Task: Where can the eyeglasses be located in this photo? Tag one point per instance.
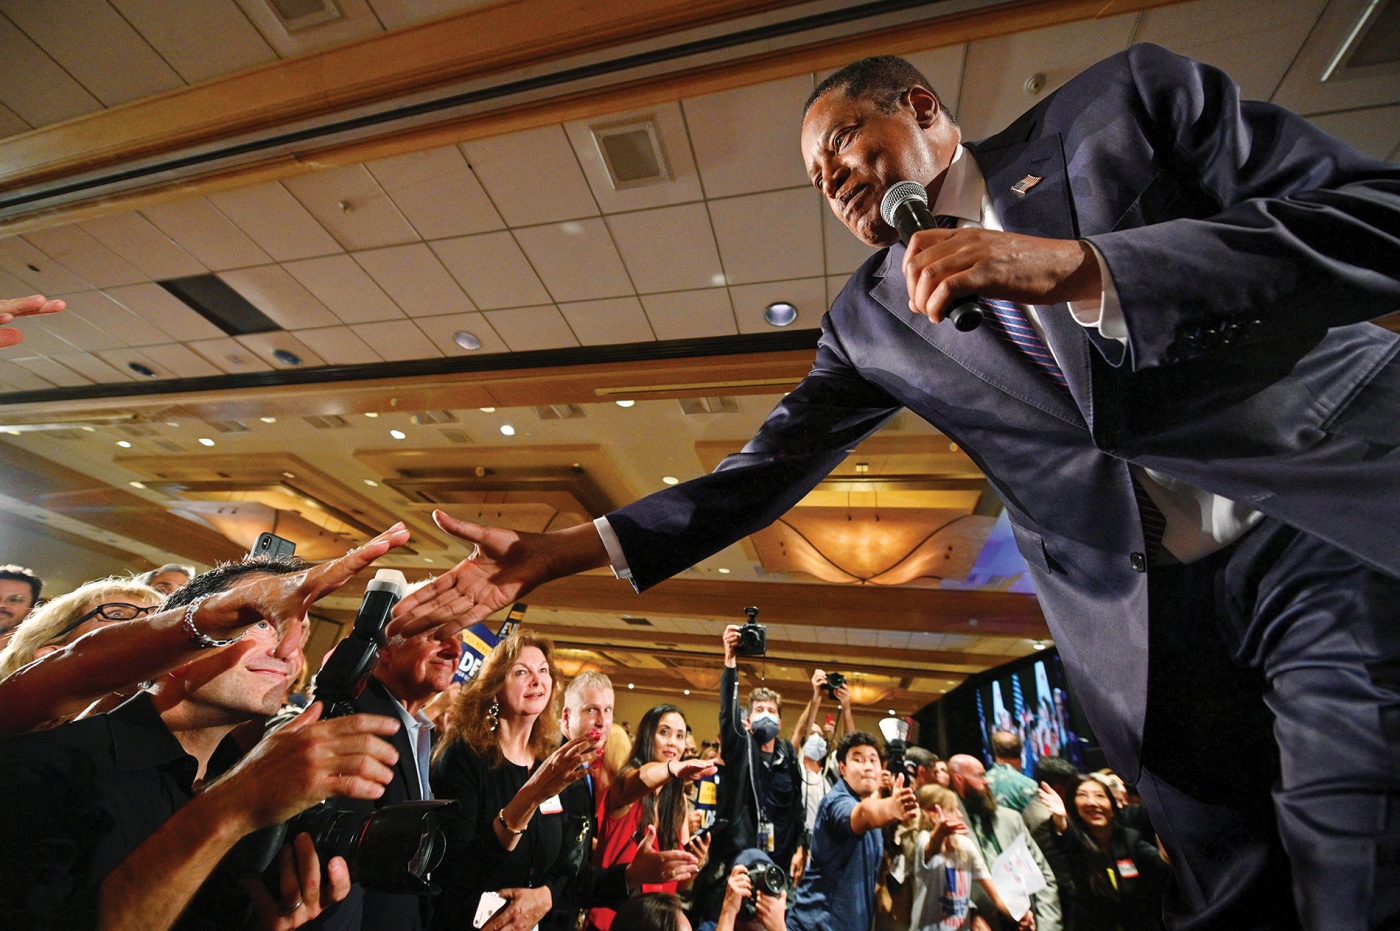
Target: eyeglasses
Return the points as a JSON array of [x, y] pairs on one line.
[[16, 599], [112, 611]]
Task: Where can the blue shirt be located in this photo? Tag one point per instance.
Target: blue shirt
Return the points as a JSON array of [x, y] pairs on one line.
[[838, 889]]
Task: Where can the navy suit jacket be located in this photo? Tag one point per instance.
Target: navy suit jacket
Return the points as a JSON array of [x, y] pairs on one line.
[[1247, 248]]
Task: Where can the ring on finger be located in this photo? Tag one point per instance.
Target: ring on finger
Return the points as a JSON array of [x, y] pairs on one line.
[[291, 910]]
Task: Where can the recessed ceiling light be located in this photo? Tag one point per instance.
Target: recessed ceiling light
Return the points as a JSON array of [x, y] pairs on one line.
[[172, 423], [892, 711], [286, 357], [780, 313], [371, 483], [630, 685], [137, 484], [507, 429], [140, 369], [268, 419], [90, 429], [487, 410], [685, 691], [670, 480], [468, 341], [1038, 645], [723, 571], [123, 444], [371, 414], [205, 441], [625, 403], [427, 559], [397, 434]]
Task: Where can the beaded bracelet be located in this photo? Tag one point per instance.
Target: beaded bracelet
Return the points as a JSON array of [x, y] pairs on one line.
[[200, 639], [501, 817]]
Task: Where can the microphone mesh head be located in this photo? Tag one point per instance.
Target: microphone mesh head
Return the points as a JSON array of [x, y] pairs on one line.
[[899, 193]]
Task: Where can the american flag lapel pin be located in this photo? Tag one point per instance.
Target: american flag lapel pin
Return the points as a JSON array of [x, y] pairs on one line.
[[1025, 184]]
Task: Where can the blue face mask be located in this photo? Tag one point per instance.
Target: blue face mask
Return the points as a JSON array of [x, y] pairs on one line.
[[765, 726]]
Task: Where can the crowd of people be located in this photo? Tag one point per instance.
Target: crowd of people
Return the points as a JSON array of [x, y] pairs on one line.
[[153, 735]]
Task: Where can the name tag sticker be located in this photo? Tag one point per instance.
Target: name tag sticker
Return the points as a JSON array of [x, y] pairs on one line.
[[552, 806], [1127, 869]]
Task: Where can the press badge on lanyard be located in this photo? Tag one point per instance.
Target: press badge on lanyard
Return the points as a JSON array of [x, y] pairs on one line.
[[765, 835]]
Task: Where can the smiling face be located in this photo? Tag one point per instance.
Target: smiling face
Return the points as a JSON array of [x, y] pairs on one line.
[[528, 687], [669, 743], [1094, 806], [417, 668], [854, 153]]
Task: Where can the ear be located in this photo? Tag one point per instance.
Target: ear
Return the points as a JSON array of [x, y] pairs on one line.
[[924, 104], [45, 650]]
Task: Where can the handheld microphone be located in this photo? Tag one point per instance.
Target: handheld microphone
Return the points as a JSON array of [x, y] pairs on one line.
[[905, 207]]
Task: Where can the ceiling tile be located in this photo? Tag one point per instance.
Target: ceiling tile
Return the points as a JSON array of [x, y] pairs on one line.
[[395, 14], [206, 234], [398, 340], [357, 21], [87, 257], [492, 270], [691, 314], [276, 221], [944, 69], [179, 360], [1303, 90], [683, 185], [230, 356], [123, 326], [37, 340], [1002, 66], [670, 249], [164, 312], [280, 296], [345, 288], [1375, 131], [136, 240], [1253, 41], [338, 345], [94, 369], [121, 360], [10, 123], [808, 295], [73, 327], [529, 328], [441, 329], [36, 87], [96, 45], [576, 260], [50, 371], [16, 378], [764, 237], [601, 323], [415, 279], [834, 286], [437, 192], [844, 252], [532, 177], [265, 344], [352, 206], [746, 139], [204, 39], [37, 270]]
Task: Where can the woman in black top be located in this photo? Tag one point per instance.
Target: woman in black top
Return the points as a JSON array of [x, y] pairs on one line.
[[1119, 877], [502, 762]]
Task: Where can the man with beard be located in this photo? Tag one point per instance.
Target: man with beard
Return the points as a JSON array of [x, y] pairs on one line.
[[19, 590], [996, 829]]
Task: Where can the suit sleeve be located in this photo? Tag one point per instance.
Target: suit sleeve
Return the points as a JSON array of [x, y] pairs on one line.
[[804, 438], [1271, 226]]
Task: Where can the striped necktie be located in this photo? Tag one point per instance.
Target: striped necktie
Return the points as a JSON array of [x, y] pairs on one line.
[[1009, 321]]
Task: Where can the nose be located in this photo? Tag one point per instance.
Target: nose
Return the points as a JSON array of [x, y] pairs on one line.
[[833, 175]]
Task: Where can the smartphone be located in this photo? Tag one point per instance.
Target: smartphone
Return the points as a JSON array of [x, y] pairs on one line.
[[270, 544], [719, 825], [830, 720], [486, 908]]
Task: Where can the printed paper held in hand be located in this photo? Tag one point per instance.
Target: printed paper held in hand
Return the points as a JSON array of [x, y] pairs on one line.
[[1017, 876]]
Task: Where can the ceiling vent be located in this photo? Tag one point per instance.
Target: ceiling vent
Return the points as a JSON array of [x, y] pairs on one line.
[[560, 412], [137, 429], [423, 417], [212, 298], [715, 405], [632, 154], [228, 426], [296, 15], [456, 436], [636, 621], [327, 422]]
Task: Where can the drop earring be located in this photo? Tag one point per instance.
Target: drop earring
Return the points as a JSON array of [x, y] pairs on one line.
[[494, 713]]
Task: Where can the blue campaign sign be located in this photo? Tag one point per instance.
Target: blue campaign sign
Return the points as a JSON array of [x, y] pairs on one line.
[[477, 642]]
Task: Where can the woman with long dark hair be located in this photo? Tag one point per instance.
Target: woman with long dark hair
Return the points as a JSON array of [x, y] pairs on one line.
[[502, 762], [646, 802], [1119, 877]]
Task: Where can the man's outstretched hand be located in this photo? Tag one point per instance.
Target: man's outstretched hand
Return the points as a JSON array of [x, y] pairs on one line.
[[504, 565], [12, 307]]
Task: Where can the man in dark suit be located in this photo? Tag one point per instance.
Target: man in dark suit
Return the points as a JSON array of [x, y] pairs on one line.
[[1194, 432], [409, 672]]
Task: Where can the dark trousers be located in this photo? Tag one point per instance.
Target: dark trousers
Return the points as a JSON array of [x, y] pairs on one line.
[[1270, 759]]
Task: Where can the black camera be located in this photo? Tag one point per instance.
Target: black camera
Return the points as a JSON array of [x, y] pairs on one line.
[[753, 636], [834, 681], [390, 849], [765, 878]]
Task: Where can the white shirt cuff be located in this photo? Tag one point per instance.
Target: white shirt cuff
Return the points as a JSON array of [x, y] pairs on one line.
[[1105, 313], [616, 558]]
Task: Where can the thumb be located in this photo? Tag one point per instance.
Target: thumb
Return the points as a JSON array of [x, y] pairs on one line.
[[310, 716], [648, 837], [462, 529]]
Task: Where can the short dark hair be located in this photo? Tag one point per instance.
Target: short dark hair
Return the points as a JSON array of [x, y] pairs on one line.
[[856, 739], [15, 573], [920, 757], [882, 80], [1056, 771], [1006, 745], [650, 911], [223, 576]]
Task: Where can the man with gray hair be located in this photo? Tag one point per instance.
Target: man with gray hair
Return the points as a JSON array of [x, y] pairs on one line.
[[1012, 788]]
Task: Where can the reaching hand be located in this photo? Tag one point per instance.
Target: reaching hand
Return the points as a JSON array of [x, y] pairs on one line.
[[691, 770], [843, 697], [818, 684], [523, 910], [908, 803], [731, 643], [653, 867], [504, 565], [31, 306], [1052, 801], [563, 767]]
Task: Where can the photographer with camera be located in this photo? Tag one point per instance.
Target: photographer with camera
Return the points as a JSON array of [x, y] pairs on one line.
[[755, 897], [100, 823]]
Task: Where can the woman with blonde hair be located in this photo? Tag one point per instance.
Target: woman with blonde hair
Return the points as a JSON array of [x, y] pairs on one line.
[[67, 617], [502, 762], [946, 862]]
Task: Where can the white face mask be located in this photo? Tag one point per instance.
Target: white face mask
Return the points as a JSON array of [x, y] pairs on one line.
[[815, 748]]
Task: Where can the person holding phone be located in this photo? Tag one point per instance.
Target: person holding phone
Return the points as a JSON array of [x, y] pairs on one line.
[[645, 805]]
